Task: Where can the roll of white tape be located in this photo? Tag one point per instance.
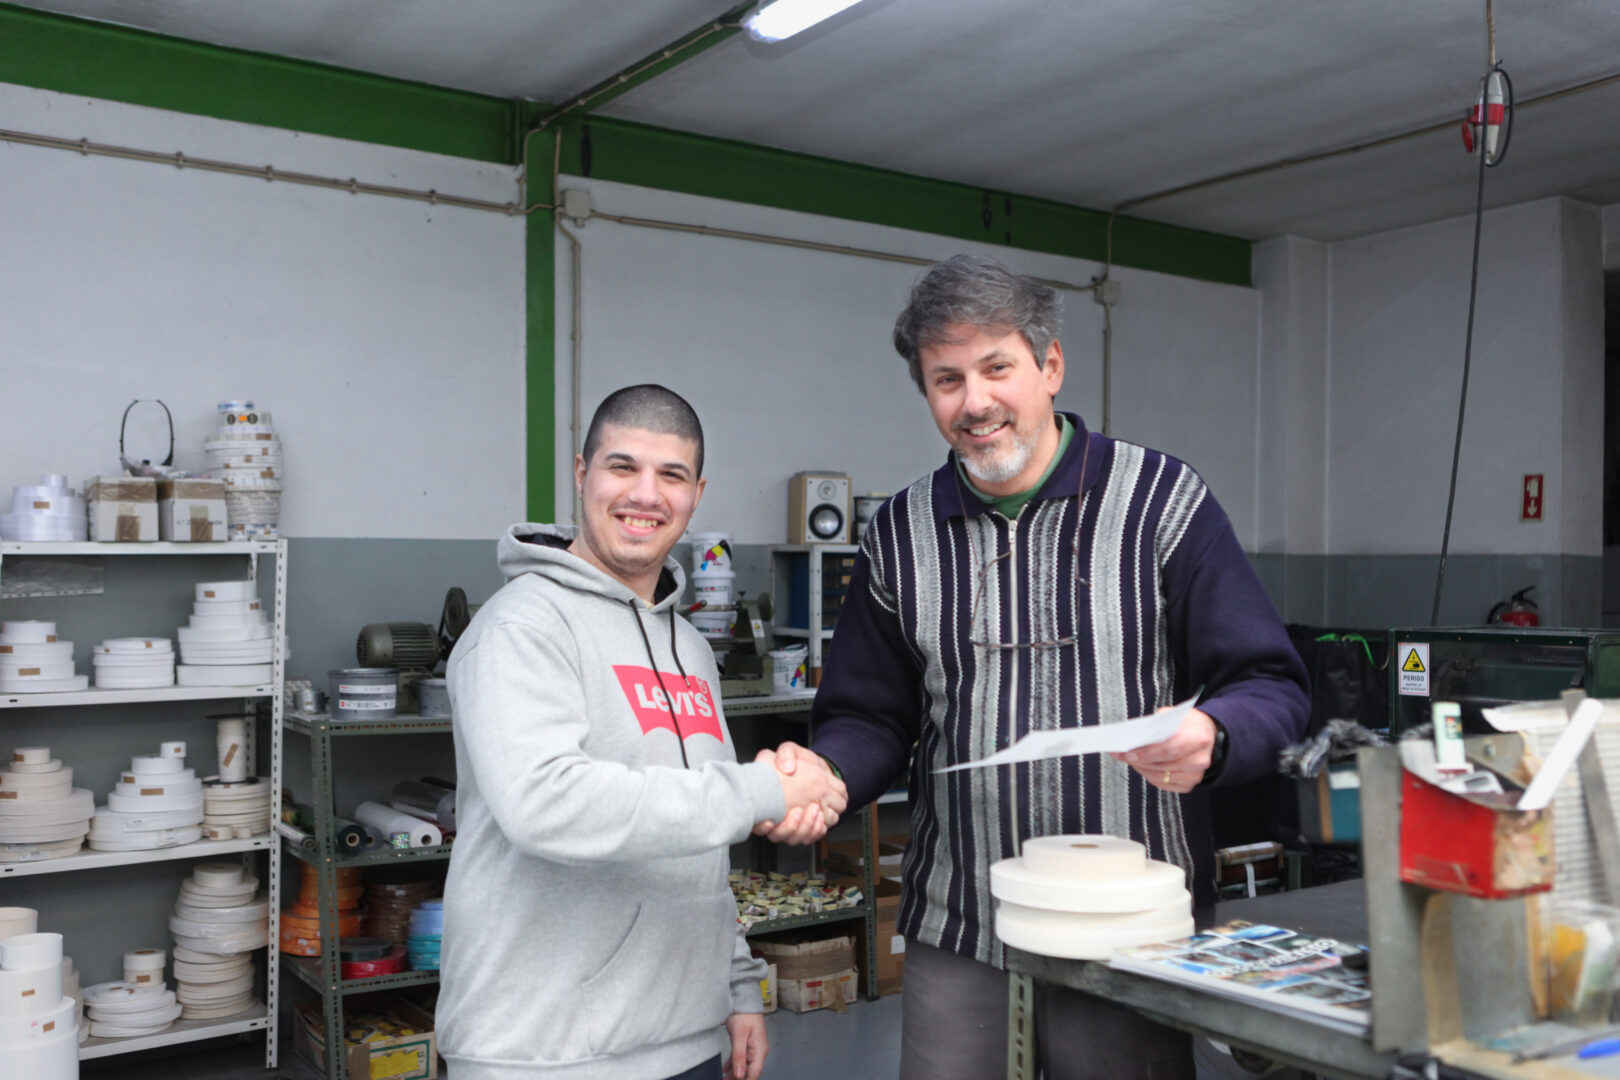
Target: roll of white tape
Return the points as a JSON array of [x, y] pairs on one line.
[[159, 788], [217, 875], [1084, 858], [134, 662], [28, 632], [16, 781], [135, 645], [56, 650], [16, 921], [115, 826], [54, 765], [145, 960], [36, 794], [48, 1058], [227, 590], [53, 1022], [173, 750], [125, 999], [24, 836], [208, 993], [150, 804], [44, 686], [154, 765], [150, 841], [246, 938], [106, 1029], [222, 675], [203, 974], [21, 853], [192, 956], [30, 755], [116, 680], [79, 803], [226, 607], [389, 821], [1088, 937], [26, 952], [30, 992], [11, 668], [253, 911], [1159, 885], [206, 621]]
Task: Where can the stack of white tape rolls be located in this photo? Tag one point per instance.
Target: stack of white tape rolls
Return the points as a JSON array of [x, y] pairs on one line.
[[218, 921], [49, 511], [42, 815], [158, 803], [39, 1037], [33, 661], [1082, 897], [228, 642], [133, 663], [246, 455], [127, 1009]]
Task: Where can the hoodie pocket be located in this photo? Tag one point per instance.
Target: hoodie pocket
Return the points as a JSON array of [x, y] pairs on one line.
[[671, 976]]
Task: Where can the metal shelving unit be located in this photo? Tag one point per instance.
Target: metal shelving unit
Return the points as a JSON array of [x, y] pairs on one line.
[[815, 634], [261, 1017], [323, 974]]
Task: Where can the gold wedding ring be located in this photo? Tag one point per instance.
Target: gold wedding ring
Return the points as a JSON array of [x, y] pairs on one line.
[[1166, 779]]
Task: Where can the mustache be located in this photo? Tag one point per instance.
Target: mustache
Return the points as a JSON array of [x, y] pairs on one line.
[[997, 417]]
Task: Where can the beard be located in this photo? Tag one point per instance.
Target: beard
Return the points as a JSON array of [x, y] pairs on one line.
[[997, 465]]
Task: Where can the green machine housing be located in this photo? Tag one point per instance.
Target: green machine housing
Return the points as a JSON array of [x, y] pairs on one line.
[[1480, 667]]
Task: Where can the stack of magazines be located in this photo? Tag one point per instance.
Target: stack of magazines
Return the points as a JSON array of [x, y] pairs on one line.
[[1272, 967]]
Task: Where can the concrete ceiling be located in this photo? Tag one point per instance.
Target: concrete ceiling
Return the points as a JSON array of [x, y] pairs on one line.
[[1088, 103]]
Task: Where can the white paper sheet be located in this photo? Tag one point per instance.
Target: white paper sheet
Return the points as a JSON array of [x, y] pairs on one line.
[[1094, 739]]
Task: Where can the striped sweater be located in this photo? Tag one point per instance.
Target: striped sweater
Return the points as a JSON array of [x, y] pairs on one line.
[[1134, 595]]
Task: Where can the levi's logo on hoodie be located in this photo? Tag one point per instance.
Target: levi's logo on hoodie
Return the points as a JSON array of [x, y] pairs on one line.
[[693, 706]]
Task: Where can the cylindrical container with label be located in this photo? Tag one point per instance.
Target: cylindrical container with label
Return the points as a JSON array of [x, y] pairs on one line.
[[714, 624], [1449, 755], [711, 553], [865, 507], [790, 669], [433, 698], [232, 741], [363, 693], [713, 589]]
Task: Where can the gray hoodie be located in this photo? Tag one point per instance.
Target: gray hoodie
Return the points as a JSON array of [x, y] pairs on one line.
[[589, 930]]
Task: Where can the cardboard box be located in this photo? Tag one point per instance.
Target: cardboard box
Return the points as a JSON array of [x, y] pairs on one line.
[[800, 957], [191, 511], [122, 508], [832, 991], [401, 1057], [844, 856], [767, 989], [891, 947]]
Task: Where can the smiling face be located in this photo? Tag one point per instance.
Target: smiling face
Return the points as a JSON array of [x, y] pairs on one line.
[[994, 405], [637, 494]]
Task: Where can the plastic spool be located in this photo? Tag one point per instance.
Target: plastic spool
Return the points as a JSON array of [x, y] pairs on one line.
[[55, 650], [29, 952], [154, 765], [16, 921], [390, 821], [222, 675], [28, 632]]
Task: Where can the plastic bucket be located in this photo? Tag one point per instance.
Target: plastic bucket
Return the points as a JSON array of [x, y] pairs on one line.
[[711, 553], [790, 669], [714, 624], [713, 588], [433, 698]]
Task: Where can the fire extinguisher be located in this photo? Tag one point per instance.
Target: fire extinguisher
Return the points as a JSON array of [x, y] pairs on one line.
[[1519, 610]]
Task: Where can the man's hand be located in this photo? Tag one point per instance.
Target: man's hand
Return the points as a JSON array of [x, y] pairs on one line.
[[748, 1046], [815, 797], [1178, 763]]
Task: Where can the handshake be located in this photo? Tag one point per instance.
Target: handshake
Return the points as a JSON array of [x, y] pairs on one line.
[[814, 796]]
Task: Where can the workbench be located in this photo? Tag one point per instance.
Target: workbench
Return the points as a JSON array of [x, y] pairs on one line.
[[1337, 911]]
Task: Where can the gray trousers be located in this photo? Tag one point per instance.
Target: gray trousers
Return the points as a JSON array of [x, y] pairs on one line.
[[954, 1027]]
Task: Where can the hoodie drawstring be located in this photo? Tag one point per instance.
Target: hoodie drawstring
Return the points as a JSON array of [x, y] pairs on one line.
[[653, 663]]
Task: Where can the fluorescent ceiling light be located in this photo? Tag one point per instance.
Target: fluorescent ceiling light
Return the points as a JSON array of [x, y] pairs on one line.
[[784, 18]]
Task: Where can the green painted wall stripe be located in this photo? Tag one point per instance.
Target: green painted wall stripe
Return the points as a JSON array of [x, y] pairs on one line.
[[540, 366], [76, 56], [743, 172]]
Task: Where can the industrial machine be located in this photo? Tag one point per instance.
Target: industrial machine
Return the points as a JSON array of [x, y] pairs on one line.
[[1480, 667], [746, 664], [415, 649]]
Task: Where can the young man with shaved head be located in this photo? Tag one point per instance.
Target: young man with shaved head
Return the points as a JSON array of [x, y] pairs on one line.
[[590, 933], [1045, 576]]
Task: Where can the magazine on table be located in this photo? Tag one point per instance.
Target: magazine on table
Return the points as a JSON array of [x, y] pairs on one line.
[[1271, 966]]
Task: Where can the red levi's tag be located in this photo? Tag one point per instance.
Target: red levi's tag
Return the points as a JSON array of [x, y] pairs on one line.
[[693, 706]]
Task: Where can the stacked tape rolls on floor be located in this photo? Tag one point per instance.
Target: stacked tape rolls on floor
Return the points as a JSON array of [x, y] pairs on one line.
[[219, 919], [1082, 897]]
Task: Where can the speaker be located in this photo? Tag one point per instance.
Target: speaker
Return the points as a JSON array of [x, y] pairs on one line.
[[818, 508]]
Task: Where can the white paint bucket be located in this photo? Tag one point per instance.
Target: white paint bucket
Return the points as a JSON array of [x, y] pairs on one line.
[[790, 669], [711, 553], [713, 589], [714, 624]]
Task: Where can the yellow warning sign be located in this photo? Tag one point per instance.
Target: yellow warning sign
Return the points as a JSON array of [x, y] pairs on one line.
[[1414, 673], [1413, 662]]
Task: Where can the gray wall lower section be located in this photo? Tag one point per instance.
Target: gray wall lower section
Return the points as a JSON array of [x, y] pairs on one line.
[[1398, 590]]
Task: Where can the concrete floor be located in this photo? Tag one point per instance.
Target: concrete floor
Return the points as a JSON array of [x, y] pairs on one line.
[[862, 1044]]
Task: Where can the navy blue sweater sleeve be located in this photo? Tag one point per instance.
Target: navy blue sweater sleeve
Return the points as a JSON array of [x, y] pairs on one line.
[[1227, 637], [868, 709]]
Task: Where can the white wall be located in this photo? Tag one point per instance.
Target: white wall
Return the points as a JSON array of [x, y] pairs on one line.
[[385, 336], [785, 353], [1291, 274], [1399, 307]]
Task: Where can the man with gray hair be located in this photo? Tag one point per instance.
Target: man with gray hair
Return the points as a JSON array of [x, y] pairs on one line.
[[1044, 577]]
